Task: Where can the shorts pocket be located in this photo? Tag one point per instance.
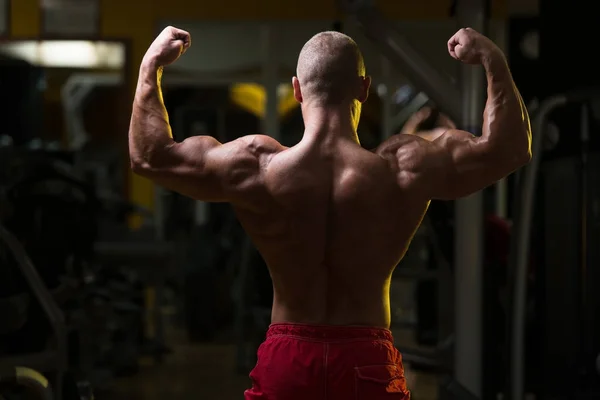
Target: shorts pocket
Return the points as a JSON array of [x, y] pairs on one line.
[[386, 381], [255, 373]]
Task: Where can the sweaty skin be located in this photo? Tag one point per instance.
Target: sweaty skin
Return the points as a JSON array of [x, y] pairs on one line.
[[331, 219]]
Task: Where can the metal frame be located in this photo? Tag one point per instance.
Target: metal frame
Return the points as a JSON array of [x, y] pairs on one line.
[[520, 245], [501, 187], [270, 79], [178, 78], [29, 378], [469, 232], [46, 32], [395, 46], [387, 124], [419, 101], [74, 93], [48, 361], [5, 15], [153, 259]]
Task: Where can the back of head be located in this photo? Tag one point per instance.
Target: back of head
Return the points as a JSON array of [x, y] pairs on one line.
[[330, 67]]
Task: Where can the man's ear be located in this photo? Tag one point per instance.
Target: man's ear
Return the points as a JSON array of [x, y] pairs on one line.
[[297, 91], [365, 86]]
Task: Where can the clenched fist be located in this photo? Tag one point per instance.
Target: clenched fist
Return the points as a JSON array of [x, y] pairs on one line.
[[471, 47], [168, 47]]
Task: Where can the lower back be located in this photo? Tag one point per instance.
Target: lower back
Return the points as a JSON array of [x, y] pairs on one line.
[[341, 305]]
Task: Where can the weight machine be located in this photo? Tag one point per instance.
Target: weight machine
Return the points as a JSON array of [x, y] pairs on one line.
[[28, 378], [570, 324], [53, 361]]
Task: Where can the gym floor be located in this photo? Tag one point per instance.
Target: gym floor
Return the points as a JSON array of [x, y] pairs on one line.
[[206, 372]]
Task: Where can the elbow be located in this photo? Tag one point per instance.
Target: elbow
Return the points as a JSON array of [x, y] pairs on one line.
[[140, 167], [525, 153], [524, 156], [518, 151], [145, 163], [519, 158], [511, 156], [149, 161]]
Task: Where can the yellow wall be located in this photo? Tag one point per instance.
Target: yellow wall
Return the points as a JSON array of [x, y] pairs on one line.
[[25, 18], [134, 20]]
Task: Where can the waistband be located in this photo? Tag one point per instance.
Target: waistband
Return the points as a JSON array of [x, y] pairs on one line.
[[329, 332]]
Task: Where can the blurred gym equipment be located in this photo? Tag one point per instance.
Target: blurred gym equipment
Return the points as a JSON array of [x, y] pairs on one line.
[[35, 384], [567, 305], [395, 46], [23, 83], [52, 361], [78, 312]]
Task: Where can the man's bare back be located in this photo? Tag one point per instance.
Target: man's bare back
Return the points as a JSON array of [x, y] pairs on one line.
[[335, 224], [330, 218]]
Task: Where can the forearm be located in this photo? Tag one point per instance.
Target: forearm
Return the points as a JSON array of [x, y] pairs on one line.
[[149, 129], [506, 125]]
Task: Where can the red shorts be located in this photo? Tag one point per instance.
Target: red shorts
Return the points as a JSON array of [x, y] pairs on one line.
[[308, 362]]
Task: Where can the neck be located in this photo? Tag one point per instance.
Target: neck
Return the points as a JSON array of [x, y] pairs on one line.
[[331, 121]]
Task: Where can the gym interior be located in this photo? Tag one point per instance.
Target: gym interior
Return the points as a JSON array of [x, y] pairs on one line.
[[114, 288]]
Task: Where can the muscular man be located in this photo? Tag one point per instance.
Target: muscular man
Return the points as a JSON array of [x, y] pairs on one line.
[[331, 219]]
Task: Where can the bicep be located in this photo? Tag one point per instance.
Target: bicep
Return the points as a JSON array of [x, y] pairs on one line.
[[457, 164]]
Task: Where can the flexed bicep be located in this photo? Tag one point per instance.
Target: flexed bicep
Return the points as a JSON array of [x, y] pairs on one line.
[[454, 165]]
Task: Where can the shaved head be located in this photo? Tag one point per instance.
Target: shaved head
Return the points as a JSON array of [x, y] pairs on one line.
[[331, 70]]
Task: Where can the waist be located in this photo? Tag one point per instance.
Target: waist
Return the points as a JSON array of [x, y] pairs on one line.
[[329, 332], [364, 309]]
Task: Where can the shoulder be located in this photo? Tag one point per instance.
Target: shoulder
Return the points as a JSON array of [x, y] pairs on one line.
[[250, 147], [254, 151], [261, 144]]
